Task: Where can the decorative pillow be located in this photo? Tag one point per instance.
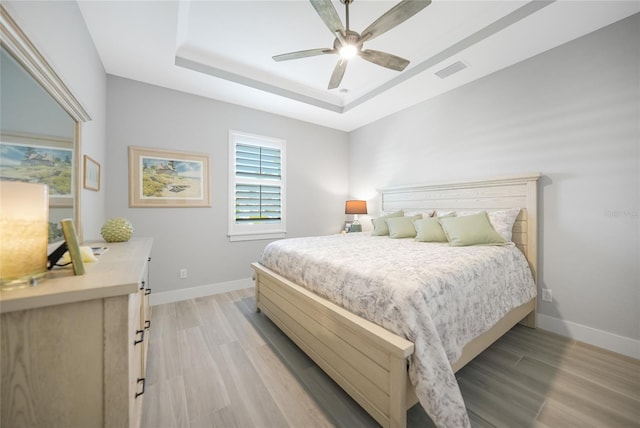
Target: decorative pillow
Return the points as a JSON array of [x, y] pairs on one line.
[[402, 227], [380, 226], [475, 229], [502, 220], [444, 213], [424, 213], [430, 230]]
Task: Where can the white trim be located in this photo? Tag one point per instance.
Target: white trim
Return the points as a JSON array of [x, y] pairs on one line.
[[610, 341], [603, 339], [335, 104], [26, 53], [256, 236], [247, 232], [200, 291]]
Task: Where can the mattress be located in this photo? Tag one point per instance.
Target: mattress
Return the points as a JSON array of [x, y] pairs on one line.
[[437, 296]]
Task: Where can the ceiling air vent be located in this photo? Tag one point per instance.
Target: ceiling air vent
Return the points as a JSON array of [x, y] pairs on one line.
[[451, 69]]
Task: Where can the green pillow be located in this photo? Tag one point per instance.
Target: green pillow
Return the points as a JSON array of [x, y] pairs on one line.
[[429, 229], [473, 229], [402, 227], [380, 225]]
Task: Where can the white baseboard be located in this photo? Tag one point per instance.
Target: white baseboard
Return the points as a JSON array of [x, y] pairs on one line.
[[612, 342], [200, 291]]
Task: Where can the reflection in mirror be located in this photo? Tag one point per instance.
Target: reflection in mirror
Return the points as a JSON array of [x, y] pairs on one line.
[[36, 140]]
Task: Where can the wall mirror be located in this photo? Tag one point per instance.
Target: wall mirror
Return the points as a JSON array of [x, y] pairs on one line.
[[40, 126]]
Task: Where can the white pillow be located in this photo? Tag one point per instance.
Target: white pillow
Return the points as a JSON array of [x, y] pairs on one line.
[[424, 213], [501, 220]]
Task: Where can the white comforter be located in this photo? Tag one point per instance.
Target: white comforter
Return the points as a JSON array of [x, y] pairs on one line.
[[438, 297]]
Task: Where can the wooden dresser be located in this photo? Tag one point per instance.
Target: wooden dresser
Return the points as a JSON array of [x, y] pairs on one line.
[[73, 348]]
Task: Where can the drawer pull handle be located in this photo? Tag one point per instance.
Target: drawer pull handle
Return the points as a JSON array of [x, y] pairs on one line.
[[149, 259], [147, 291], [141, 333], [143, 381], [147, 324]]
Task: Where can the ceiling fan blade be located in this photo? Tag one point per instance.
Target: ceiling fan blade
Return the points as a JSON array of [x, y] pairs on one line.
[[303, 54], [385, 59], [328, 14], [394, 16], [338, 73]]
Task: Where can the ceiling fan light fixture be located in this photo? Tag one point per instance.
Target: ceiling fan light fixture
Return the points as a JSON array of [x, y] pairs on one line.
[[348, 51], [348, 43]]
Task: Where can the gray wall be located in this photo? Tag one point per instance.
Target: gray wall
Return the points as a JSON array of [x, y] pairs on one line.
[[572, 114], [58, 30], [196, 238]]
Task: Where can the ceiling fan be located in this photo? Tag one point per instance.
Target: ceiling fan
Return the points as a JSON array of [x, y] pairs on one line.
[[348, 43]]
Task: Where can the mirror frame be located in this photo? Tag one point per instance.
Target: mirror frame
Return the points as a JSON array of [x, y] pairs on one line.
[[16, 43]]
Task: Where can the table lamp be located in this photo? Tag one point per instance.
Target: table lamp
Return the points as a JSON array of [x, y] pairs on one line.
[[24, 232], [355, 207]]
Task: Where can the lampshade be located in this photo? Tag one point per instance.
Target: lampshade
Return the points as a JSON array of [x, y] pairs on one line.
[[24, 232], [355, 207]]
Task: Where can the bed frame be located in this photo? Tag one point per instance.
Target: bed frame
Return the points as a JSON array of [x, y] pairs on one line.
[[366, 360]]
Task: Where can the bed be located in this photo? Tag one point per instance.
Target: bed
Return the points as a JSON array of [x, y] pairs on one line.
[[335, 338]]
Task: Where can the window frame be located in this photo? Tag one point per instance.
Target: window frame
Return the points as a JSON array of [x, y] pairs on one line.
[[247, 232]]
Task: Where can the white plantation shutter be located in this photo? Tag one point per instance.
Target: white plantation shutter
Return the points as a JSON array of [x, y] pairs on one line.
[[257, 162], [256, 187]]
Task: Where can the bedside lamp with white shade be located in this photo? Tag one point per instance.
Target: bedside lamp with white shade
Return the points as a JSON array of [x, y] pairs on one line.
[[355, 207]]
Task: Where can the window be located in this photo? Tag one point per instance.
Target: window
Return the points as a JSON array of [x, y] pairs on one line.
[[256, 187]]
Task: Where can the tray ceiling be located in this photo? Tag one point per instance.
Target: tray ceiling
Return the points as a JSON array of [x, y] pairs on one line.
[[223, 49]]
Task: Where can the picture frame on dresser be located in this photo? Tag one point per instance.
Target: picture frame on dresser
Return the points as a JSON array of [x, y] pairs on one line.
[[71, 238]]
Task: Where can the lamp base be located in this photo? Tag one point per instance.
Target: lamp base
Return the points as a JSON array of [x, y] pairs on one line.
[[355, 226]]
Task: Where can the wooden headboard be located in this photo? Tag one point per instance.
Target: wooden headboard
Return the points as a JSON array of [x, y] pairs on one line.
[[496, 193]]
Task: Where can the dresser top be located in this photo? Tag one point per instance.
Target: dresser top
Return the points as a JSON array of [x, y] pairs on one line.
[[117, 272]]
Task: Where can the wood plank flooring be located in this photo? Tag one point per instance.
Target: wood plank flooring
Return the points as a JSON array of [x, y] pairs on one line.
[[215, 362]]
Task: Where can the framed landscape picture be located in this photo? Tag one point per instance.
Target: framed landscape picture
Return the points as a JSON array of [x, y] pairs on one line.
[[39, 160], [166, 178]]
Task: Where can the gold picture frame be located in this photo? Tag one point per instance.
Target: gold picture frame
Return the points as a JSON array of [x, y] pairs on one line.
[[71, 238], [91, 177], [166, 178]]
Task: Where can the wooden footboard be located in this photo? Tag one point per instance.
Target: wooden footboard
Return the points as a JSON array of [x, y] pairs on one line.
[[367, 361]]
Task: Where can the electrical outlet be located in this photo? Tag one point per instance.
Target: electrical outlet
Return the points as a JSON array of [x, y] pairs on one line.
[[547, 296], [183, 273]]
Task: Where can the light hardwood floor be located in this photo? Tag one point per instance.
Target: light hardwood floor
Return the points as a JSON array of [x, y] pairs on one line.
[[215, 362]]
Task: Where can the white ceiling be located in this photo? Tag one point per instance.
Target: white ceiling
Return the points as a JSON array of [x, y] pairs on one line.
[[223, 49]]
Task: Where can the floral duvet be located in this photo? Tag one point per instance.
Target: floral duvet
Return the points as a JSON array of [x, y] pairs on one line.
[[438, 297]]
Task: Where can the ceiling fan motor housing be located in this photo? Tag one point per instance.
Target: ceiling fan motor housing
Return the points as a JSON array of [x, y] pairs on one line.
[[351, 38]]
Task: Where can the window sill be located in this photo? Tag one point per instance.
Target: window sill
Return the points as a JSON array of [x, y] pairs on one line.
[[256, 236]]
